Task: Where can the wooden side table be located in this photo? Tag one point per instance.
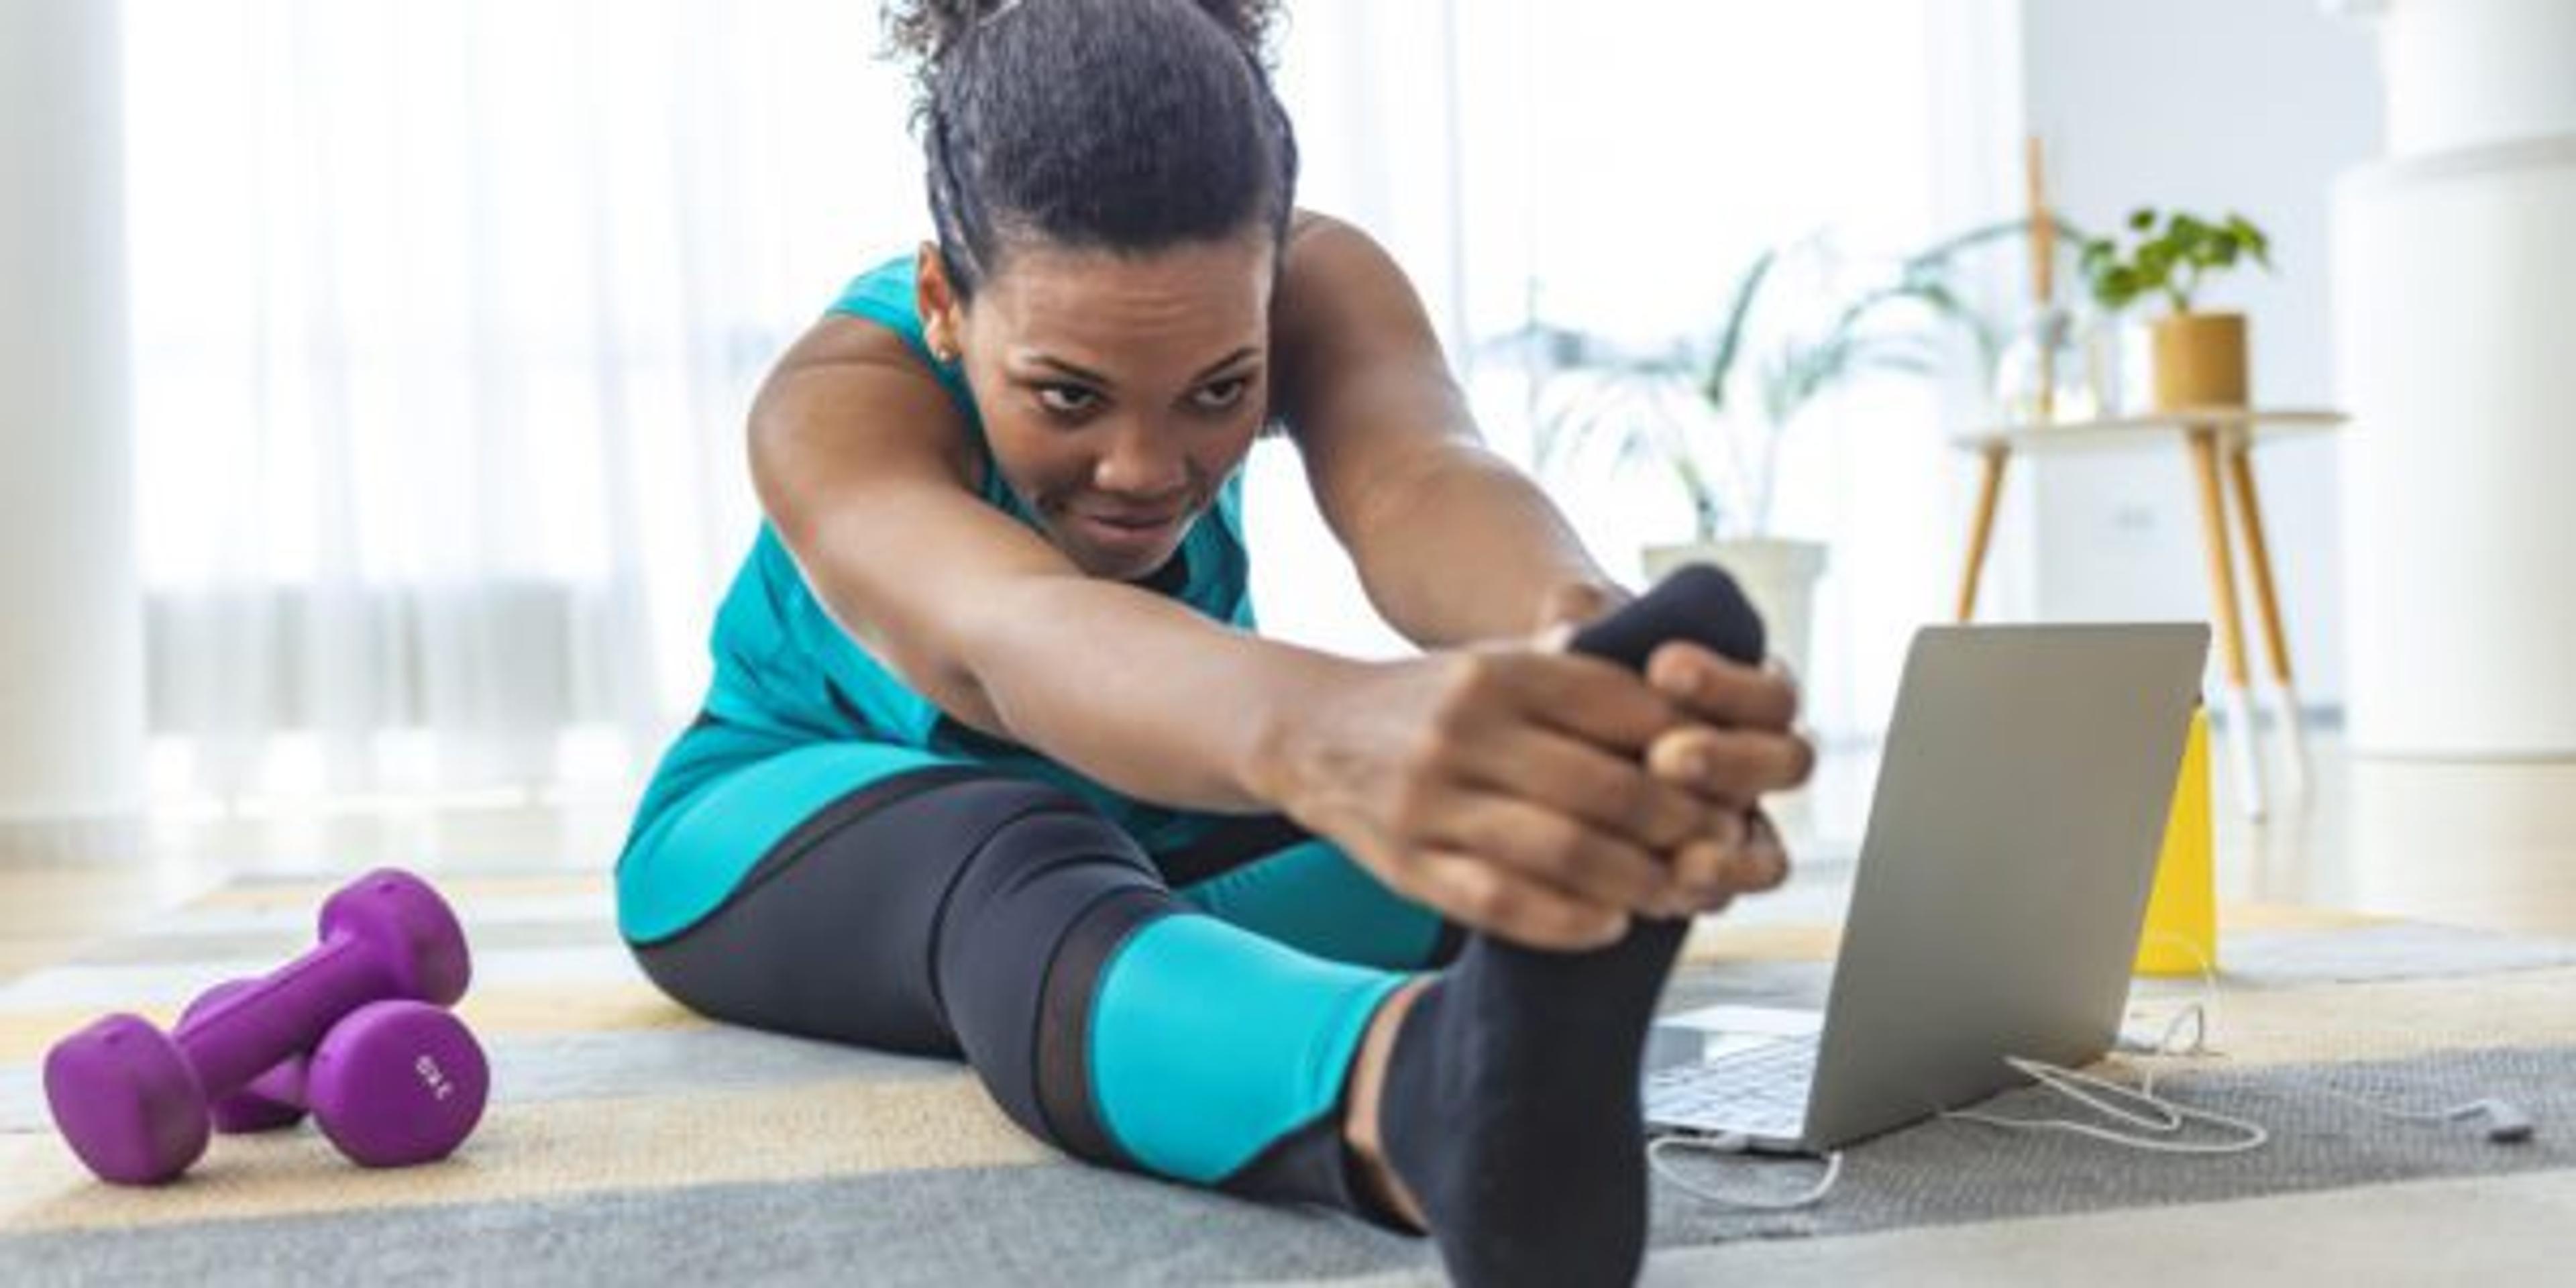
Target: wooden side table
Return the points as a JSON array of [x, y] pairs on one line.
[[2220, 443]]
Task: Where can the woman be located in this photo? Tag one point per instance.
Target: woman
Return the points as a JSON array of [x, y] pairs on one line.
[[994, 766]]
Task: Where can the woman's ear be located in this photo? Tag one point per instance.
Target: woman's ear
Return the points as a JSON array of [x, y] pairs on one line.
[[943, 320]]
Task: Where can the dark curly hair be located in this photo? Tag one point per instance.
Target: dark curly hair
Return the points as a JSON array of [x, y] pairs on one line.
[[925, 28], [1127, 125]]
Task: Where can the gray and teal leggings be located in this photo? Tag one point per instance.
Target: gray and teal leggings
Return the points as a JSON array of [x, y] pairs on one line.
[[1192, 1017]]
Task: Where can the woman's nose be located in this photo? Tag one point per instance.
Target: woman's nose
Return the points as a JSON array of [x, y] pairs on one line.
[[1141, 462]]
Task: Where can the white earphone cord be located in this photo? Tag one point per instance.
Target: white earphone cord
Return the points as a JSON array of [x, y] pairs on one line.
[[2159, 1116], [2166, 1117], [1735, 1146]]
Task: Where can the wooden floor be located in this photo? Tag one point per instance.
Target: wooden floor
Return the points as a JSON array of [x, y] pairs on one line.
[[2485, 845], [2490, 845], [54, 897]]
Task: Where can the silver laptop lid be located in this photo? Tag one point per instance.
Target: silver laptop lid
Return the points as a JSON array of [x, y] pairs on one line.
[[2012, 842]]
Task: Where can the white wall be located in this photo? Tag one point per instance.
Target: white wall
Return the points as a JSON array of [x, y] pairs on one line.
[[71, 663], [2254, 105], [2456, 290]]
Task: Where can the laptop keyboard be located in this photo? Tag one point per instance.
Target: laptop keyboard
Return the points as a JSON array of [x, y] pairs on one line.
[[1761, 1091]]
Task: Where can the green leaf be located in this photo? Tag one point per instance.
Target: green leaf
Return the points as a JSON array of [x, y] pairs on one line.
[[1730, 339], [2256, 244], [2142, 219], [1587, 414], [2155, 262]]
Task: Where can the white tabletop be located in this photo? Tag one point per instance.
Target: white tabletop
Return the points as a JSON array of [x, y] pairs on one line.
[[2232, 423]]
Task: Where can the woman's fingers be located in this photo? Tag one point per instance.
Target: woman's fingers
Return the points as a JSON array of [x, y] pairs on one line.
[[1560, 897], [1731, 766], [1600, 702], [1704, 868], [1743, 855], [1762, 862], [1721, 691], [1560, 850], [1573, 777], [1483, 896], [1548, 798]]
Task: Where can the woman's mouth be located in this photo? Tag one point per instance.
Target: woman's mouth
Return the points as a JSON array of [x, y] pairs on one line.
[[1129, 532]]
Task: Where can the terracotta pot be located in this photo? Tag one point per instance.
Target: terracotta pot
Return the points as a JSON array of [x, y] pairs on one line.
[[2199, 360]]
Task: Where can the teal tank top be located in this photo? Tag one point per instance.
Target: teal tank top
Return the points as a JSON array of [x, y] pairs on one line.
[[784, 667]]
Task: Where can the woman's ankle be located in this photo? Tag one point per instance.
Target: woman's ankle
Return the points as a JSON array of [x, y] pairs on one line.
[[1362, 1135]]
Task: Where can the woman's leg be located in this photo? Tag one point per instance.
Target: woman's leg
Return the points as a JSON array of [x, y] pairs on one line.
[[1003, 919], [949, 911], [1502, 1098], [1311, 896]]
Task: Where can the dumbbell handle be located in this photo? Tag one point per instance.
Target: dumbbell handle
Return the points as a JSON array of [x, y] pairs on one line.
[[241, 1036]]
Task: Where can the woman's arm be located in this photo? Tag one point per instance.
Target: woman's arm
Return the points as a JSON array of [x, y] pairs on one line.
[[1455, 545], [1504, 788], [1452, 544]]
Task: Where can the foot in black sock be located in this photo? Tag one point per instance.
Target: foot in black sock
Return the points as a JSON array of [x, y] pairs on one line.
[[1511, 1108]]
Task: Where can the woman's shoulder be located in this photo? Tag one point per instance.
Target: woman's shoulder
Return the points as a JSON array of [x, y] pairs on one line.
[[860, 385], [1319, 257], [1344, 310], [883, 294]]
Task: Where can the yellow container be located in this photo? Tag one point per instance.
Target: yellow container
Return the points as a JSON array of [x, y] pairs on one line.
[[2181, 934]]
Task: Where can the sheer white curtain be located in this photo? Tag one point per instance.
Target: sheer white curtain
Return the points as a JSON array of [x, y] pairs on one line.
[[1613, 166], [447, 316]]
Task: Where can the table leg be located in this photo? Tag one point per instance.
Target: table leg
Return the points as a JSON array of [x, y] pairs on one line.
[[2267, 601], [2231, 629], [1990, 486]]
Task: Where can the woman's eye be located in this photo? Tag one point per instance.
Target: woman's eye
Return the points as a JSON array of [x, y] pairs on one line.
[[1067, 400], [1221, 395]]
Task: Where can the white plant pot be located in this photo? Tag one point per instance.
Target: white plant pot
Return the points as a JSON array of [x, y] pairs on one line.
[[1778, 576]]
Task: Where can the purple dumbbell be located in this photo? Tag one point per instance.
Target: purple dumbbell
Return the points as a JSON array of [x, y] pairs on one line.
[[270, 1102], [398, 1083], [394, 1084], [135, 1104]]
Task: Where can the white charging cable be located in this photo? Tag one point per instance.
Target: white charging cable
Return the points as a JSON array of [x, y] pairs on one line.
[[1734, 1146], [2157, 1116], [2506, 1123], [2160, 1119]]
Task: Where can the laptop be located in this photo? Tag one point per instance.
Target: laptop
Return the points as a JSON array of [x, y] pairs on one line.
[[1997, 902]]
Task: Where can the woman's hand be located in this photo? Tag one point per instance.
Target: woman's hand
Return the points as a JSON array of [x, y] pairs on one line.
[[1741, 743], [1738, 741], [1507, 788]]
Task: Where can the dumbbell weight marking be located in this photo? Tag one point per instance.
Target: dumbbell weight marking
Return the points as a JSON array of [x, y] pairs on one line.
[[398, 1083]]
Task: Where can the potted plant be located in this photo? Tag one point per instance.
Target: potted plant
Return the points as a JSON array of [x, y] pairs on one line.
[[1713, 414], [2197, 358]]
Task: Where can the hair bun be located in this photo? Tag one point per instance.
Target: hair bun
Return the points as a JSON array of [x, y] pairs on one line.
[[1249, 20], [928, 29]]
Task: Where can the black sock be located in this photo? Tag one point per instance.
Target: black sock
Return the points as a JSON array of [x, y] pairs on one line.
[[1511, 1108], [1511, 1102]]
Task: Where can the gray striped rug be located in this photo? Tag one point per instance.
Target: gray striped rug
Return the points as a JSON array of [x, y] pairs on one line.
[[630, 1141]]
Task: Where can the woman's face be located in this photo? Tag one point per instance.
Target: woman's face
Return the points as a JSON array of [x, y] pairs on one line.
[[1117, 391]]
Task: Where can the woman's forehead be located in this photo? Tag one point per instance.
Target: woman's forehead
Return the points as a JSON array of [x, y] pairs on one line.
[[1216, 293]]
